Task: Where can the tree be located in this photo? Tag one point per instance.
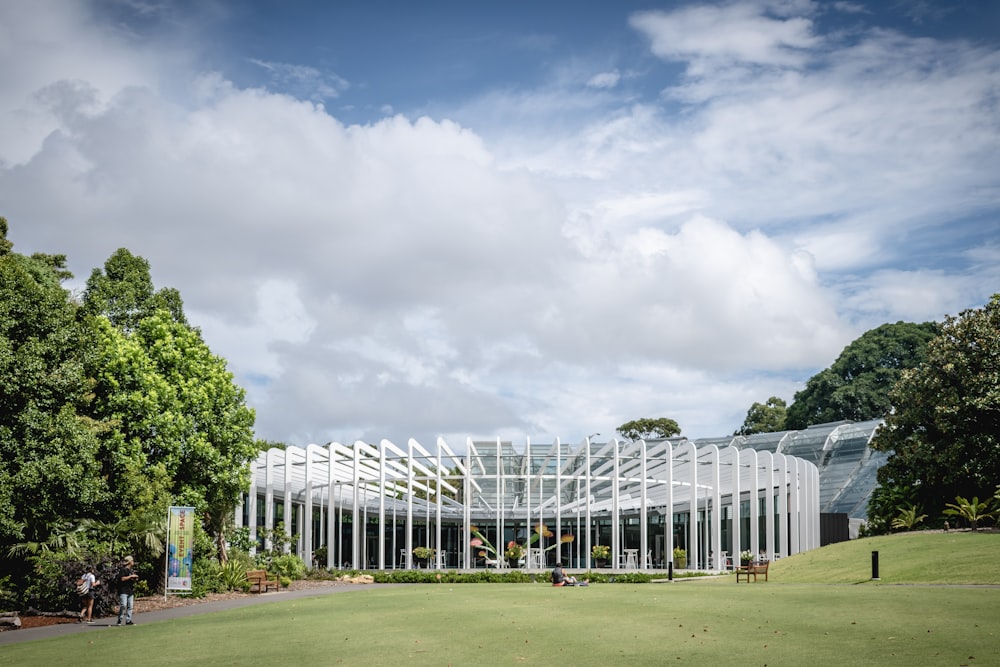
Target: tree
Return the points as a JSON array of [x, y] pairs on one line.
[[647, 428], [48, 447], [180, 417], [124, 294], [856, 387], [944, 434], [764, 418]]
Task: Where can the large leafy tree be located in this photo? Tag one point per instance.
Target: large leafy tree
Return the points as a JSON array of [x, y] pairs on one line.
[[647, 427], [856, 387], [179, 415], [944, 433], [48, 447], [766, 417]]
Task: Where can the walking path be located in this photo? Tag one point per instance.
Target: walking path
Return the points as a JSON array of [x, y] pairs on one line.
[[62, 629]]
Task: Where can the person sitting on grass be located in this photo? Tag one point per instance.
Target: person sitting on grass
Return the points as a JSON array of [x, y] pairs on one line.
[[559, 577]]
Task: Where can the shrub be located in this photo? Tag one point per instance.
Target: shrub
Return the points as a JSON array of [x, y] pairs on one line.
[[206, 577], [234, 575], [288, 565]]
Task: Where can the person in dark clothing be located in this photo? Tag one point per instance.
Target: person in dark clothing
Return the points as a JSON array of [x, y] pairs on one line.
[[126, 591], [559, 577]]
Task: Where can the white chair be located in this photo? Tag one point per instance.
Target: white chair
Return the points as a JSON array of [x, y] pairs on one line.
[[402, 558], [647, 562]]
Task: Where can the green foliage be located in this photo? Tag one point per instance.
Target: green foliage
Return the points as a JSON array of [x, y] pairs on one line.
[[279, 541], [239, 539], [178, 409], [908, 518], [491, 576], [944, 434], [234, 575], [8, 602], [288, 565], [207, 577], [514, 551], [972, 511], [49, 453], [53, 584], [423, 553], [320, 554], [856, 386], [124, 293], [109, 412], [648, 428], [765, 417]]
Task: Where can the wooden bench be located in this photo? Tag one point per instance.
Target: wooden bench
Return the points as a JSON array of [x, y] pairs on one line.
[[752, 570], [259, 582]]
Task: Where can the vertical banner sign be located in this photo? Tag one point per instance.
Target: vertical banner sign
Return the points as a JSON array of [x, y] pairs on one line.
[[180, 540]]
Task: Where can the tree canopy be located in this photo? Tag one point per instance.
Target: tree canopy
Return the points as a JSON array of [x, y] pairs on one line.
[[944, 433], [123, 292], [48, 447], [766, 417], [856, 386], [647, 428], [110, 410]]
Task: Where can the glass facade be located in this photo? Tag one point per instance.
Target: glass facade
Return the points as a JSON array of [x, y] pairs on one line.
[[372, 505]]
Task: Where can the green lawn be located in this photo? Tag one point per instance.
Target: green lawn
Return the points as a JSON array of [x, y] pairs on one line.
[[835, 617]]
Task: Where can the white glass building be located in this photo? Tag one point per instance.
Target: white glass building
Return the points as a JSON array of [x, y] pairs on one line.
[[370, 505]]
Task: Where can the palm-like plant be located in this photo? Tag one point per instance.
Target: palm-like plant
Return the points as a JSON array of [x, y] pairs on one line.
[[136, 531], [59, 536], [972, 511], [908, 518]]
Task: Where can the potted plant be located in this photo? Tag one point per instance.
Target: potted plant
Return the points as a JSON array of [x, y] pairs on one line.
[[746, 557], [423, 554], [514, 553], [600, 553], [680, 558]]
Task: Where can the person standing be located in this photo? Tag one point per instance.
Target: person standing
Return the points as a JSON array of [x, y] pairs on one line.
[[126, 591], [85, 586]]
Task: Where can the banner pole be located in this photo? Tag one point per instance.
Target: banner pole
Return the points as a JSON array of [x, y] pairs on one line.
[[166, 558]]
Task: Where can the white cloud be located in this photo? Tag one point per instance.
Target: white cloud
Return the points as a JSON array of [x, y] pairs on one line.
[[303, 81], [605, 79], [710, 36], [559, 261]]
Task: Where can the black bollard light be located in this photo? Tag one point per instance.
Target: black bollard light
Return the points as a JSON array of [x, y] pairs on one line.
[[670, 570], [875, 565]]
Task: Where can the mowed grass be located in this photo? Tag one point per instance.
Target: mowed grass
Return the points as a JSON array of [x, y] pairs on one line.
[[955, 557], [837, 616]]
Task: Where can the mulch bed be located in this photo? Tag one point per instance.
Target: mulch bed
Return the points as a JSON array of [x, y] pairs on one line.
[[157, 602]]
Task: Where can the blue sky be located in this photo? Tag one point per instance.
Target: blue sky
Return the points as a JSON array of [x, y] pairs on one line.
[[514, 219]]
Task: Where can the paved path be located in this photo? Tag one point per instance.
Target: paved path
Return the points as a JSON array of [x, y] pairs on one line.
[[102, 624]]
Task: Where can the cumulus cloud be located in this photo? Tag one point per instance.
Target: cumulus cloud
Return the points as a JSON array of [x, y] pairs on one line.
[[554, 260]]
